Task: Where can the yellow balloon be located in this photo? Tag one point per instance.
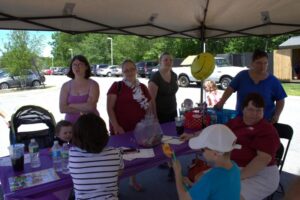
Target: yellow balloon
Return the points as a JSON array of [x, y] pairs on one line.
[[203, 66]]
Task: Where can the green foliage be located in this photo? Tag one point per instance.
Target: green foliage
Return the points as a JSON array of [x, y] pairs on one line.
[[20, 52]]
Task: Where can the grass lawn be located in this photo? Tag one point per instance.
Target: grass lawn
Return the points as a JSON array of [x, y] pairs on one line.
[[292, 89]]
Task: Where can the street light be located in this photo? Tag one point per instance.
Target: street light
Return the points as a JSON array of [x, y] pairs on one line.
[[111, 50], [71, 53]]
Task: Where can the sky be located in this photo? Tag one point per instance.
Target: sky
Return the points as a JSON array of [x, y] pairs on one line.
[[45, 39]]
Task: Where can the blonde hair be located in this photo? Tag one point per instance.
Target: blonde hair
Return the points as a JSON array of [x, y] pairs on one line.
[[211, 84]]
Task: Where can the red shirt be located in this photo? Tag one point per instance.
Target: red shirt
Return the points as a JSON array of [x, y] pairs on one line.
[[261, 136], [127, 110]]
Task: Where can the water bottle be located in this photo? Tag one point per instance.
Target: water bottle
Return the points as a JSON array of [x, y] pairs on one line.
[[65, 158], [33, 148], [56, 156]]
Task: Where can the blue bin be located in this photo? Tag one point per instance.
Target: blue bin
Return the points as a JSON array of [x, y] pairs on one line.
[[224, 115]]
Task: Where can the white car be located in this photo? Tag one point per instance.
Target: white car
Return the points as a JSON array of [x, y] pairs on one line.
[[222, 74], [106, 70]]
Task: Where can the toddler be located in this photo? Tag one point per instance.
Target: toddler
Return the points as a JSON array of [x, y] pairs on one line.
[[63, 132], [212, 97]]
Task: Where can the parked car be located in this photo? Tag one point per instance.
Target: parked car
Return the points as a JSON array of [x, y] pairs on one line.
[[96, 67], [54, 70], [222, 74], [32, 79], [47, 71], [117, 71], [144, 68], [62, 70], [106, 70]]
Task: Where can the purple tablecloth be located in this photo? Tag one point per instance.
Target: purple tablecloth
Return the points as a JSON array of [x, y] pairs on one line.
[[60, 189]]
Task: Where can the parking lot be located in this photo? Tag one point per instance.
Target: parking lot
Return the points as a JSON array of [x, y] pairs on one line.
[[48, 98]]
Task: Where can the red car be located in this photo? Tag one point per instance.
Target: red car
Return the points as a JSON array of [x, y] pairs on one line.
[[48, 71]]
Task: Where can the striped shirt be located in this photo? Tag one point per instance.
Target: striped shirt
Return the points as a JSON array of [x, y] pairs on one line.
[[95, 176]]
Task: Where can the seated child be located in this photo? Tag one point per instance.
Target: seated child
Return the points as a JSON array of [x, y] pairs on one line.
[[94, 168], [222, 181], [63, 132], [187, 104], [211, 91]]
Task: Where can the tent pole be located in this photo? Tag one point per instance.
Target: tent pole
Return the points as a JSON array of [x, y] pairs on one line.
[[203, 50]]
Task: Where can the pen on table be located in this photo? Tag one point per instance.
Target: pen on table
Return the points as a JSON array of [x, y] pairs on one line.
[[131, 150]]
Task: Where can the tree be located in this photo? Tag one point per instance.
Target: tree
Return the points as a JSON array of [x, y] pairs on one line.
[[20, 52]]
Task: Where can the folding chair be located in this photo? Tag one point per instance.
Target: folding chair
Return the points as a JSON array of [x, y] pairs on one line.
[[285, 132], [30, 114]]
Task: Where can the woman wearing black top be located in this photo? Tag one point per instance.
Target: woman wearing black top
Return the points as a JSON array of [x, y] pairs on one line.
[[163, 87]]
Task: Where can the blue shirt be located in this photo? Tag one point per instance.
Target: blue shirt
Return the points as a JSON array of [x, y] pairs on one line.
[[270, 89], [218, 184]]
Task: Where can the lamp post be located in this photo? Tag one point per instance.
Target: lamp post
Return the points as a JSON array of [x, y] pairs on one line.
[[111, 50], [71, 50]]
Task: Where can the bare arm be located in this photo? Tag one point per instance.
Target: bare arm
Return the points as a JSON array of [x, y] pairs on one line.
[[182, 193], [279, 105], [63, 100], [228, 92], [257, 163], [91, 103], [111, 102], [152, 87]]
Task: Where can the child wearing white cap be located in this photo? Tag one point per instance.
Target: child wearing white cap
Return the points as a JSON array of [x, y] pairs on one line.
[[223, 180]]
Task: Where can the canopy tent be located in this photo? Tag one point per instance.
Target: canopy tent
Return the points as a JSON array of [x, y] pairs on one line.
[[154, 18], [292, 43]]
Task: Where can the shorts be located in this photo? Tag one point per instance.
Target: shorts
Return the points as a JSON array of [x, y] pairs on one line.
[[261, 185]]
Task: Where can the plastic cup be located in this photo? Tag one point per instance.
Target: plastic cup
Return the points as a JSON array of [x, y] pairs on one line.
[[179, 121], [16, 153]]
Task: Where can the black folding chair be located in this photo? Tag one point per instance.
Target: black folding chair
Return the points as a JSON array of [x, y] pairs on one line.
[[285, 132], [31, 114]]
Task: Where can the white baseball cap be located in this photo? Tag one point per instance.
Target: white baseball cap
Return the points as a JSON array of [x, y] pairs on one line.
[[216, 137]]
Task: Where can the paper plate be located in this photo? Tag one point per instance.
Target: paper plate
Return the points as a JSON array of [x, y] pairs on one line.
[[203, 66]]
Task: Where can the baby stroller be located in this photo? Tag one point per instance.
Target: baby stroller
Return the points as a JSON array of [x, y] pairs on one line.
[[31, 114]]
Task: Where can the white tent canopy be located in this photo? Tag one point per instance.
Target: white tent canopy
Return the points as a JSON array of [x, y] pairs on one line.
[[292, 43], [154, 18]]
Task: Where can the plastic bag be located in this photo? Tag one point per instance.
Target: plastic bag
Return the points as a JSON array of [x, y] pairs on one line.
[[147, 132]]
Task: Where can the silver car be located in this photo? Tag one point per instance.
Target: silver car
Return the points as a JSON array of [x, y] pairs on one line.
[[31, 79]]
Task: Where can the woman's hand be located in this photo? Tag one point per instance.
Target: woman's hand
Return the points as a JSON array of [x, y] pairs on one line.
[[118, 129], [275, 119], [219, 105]]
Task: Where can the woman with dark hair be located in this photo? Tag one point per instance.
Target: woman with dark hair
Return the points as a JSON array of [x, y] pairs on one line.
[[257, 79], [79, 95], [94, 168], [163, 87], [260, 142], [128, 101]]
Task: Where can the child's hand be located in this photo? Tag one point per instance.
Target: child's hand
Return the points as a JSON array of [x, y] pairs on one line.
[[187, 181], [186, 136]]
